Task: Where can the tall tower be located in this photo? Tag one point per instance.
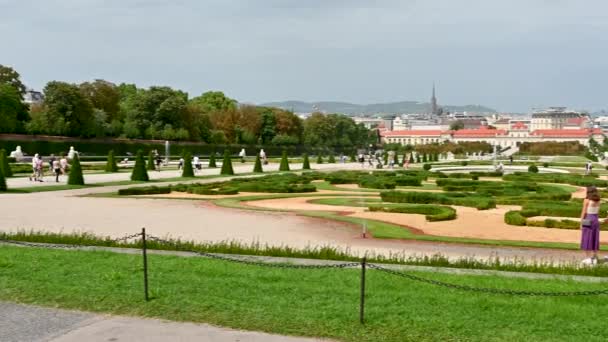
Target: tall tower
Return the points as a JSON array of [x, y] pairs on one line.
[[434, 108]]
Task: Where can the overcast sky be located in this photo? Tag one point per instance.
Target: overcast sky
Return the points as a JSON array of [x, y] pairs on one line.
[[511, 55]]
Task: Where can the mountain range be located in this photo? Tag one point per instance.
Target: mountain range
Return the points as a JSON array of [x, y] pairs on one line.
[[375, 108]]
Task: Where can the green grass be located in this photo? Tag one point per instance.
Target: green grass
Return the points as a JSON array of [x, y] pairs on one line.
[[321, 303]]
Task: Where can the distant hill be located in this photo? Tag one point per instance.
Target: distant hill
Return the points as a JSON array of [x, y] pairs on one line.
[[375, 108]]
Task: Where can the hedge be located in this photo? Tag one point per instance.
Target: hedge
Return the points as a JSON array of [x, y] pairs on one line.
[[557, 178], [432, 212], [139, 170], [5, 167], [75, 176], [462, 199], [146, 190], [372, 182], [111, 163], [306, 163]]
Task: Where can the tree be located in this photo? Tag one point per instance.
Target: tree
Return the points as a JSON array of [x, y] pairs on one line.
[[411, 158], [187, 171], [13, 113], [257, 168], [65, 102], [3, 186], [103, 95], [284, 162], [214, 101], [268, 126], [319, 159], [418, 158], [150, 164], [227, 164], [424, 158], [396, 158], [139, 170], [12, 78], [5, 167], [212, 163], [306, 163], [332, 159], [75, 177], [111, 162], [457, 125]]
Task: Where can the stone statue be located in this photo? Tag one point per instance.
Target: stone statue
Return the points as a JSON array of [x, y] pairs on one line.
[[72, 152], [17, 153]]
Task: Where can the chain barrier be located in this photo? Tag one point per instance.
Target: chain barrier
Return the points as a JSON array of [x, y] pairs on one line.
[[252, 262], [65, 246], [486, 289]]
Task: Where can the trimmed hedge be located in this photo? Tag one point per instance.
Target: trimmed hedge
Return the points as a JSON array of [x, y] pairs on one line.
[[212, 163], [187, 171], [306, 163], [257, 167], [111, 163], [432, 212], [515, 218], [462, 199], [372, 182], [284, 166], [75, 177], [139, 170], [3, 186], [150, 163], [579, 180], [5, 167], [227, 164], [146, 190]]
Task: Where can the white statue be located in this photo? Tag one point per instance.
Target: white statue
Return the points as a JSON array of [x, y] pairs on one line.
[[72, 152], [17, 153]]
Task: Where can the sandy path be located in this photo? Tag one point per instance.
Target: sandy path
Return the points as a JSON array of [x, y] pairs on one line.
[[471, 223]]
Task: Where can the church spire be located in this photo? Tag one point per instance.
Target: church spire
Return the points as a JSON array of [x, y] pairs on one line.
[[434, 107]]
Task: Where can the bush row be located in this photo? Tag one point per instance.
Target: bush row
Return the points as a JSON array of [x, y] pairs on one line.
[[462, 199], [146, 190], [557, 178], [432, 212]]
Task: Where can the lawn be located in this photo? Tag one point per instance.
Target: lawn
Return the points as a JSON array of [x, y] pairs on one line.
[[321, 303]]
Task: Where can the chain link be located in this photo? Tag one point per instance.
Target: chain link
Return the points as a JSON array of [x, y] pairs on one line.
[[252, 262], [486, 289]]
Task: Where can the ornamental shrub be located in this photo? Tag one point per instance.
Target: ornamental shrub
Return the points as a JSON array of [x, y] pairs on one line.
[[5, 167], [306, 163], [431, 212], [257, 167], [319, 159], [411, 158], [545, 164], [227, 164], [515, 218], [150, 165], [75, 177], [3, 186], [418, 158], [464, 163], [111, 163], [385, 158], [146, 190], [533, 169], [426, 167], [284, 162], [212, 163], [353, 158], [332, 159], [424, 158], [408, 181], [187, 170], [139, 170]]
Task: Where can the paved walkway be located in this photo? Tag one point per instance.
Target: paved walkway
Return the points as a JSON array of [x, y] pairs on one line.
[[24, 323]]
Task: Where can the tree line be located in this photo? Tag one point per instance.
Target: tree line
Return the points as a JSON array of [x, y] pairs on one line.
[[103, 109]]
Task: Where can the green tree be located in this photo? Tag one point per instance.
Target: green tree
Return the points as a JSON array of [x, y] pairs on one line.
[[212, 163], [111, 162], [13, 113], [320, 159], [457, 125], [227, 164], [268, 126], [411, 158], [187, 171], [396, 158], [139, 170], [424, 158], [75, 177], [418, 158], [331, 159], [11, 77], [150, 164], [65, 102], [3, 186], [104, 96], [257, 168], [284, 162], [306, 163], [5, 167], [214, 101]]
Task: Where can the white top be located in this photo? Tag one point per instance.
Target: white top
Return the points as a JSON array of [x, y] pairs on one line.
[[594, 210]]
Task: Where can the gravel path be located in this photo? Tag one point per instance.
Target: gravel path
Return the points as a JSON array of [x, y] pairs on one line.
[[24, 323]]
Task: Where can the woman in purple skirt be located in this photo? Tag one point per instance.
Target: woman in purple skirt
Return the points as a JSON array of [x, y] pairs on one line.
[[590, 226]]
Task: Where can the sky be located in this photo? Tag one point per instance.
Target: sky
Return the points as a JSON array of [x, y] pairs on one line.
[[511, 55]]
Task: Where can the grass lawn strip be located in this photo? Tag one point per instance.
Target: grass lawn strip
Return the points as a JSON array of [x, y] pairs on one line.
[[322, 303]]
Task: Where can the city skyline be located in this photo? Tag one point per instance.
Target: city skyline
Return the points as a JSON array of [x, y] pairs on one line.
[[511, 56]]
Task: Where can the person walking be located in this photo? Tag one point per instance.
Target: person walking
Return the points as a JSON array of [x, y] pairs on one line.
[[51, 160], [180, 164], [56, 169], [39, 169], [590, 226], [63, 164], [263, 157], [34, 167]]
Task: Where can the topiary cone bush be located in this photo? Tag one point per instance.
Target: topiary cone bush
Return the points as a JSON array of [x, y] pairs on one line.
[[319, 159], [411, 158], [187, 170], [426, 167], [150, 165], [139, 171], [385, 158], [5, 167], [3, 186], [353, 159], [257, 167], [75, 177], [424, 159], [111, 162], [306, 162], [284, 162], [533, 169], [418, 158], [331, 159], [545, 164], [227, 164], [396, 159], [212, 160]]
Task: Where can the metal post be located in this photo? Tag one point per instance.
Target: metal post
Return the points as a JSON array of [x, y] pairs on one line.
[[362, 304], [145, 255]]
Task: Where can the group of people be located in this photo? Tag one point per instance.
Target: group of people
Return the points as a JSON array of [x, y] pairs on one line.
[[374, 159], [58, 166]]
